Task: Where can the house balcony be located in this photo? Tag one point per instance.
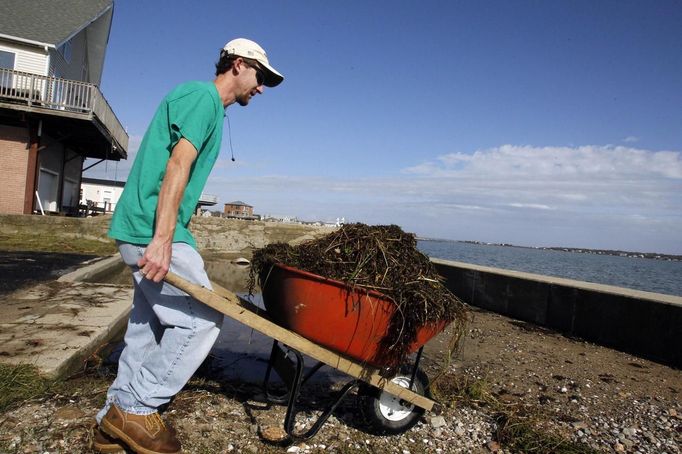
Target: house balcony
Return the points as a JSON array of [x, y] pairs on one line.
[[207, 199], [74, 112]]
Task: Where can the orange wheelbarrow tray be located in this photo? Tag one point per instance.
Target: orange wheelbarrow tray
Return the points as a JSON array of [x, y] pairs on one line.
[[298, 304], [350, 321]]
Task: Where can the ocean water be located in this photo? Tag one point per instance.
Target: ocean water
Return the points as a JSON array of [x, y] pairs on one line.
[[636, 273]]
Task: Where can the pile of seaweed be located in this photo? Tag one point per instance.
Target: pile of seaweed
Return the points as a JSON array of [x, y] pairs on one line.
[[381, 258]]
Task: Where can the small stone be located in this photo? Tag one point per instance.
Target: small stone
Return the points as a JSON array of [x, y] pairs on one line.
[[579, 425], [630, 431], [493, 446], [294, 449], [563, 390], [460, 431], [672, 412], [68, 413], [438, 421], [271, 433], [618, 447]]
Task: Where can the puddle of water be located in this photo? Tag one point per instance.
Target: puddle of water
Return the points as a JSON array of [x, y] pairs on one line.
[[241, 353]]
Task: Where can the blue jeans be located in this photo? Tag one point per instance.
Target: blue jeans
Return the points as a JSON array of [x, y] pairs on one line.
[[168, 337]]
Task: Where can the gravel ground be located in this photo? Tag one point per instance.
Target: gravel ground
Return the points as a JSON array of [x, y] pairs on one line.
[[608, 400]]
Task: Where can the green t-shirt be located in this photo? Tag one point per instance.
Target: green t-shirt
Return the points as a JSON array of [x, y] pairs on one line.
[[194, 111]]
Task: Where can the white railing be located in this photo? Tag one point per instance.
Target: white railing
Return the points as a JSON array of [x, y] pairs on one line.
[[61, 94]]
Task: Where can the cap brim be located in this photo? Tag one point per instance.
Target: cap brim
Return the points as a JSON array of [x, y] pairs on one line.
[[272, 77]]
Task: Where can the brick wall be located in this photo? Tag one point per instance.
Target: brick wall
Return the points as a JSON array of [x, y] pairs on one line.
[[237, 210], [13, 163]]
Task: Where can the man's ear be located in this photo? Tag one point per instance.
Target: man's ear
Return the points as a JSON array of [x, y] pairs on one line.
[[237, 66]]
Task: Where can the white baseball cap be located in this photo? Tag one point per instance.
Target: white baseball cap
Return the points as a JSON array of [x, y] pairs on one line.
[[246, 48]]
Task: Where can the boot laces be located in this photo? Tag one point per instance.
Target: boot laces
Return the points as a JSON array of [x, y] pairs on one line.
[[154, 423]]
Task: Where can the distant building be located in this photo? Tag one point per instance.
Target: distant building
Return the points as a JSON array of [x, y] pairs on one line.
[[52, 113], [238, 209], [205, 200], [100, 195], [278, 218]]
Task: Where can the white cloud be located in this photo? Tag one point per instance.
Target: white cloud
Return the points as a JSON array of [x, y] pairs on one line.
[[589, 196], [536, 206], [609, 162], [631, 139]]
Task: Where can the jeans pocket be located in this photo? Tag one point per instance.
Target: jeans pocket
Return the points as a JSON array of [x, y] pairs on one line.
[[130, 253]]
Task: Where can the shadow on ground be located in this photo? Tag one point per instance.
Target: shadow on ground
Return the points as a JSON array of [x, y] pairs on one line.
[[22, 268]]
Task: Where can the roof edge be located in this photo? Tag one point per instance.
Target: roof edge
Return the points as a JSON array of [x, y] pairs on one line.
[[28, 41], [85, 24]]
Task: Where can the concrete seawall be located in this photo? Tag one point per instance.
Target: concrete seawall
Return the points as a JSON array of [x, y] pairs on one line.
[[642, 323]]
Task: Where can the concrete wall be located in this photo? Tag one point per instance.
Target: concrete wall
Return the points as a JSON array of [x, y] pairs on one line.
[[642, 323]]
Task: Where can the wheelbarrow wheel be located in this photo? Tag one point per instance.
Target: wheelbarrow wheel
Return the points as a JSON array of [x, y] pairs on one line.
[[386, 414]]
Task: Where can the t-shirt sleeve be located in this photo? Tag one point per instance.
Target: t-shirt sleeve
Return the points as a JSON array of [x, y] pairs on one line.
[[191, 117]]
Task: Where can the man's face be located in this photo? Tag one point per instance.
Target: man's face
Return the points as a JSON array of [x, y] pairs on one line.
[[251, 83]]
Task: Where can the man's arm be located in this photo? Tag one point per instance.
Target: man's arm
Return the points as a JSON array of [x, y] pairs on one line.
[[157, 256]]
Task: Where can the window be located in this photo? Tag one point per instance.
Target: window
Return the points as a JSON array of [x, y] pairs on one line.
[[6, 62], [7, 59]]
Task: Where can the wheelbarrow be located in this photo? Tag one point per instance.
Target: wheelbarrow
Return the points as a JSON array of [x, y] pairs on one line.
[[338, 326]]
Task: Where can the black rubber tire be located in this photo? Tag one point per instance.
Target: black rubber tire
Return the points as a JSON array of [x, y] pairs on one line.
[[385, 414]]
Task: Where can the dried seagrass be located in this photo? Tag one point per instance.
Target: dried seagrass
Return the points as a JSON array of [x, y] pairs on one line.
[[382, 258]]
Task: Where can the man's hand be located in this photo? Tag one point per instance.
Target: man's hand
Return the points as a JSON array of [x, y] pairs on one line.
[[155, 262]]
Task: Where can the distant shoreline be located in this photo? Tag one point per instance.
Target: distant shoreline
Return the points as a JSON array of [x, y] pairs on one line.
[[617, 253]]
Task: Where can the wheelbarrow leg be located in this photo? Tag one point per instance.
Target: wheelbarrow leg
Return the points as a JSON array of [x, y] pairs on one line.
[[416, 365], [291, 372]]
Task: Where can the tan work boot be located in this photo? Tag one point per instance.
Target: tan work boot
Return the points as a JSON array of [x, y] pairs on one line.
[[144, 434], [104, 443]]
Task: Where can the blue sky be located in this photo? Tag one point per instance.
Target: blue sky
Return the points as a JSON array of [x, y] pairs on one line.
[[539, 123]]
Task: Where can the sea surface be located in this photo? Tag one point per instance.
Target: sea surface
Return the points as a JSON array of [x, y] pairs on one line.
[[632, 272]]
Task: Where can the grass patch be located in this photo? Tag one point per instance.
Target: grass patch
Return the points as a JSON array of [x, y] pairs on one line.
[[19, 383], [518, 428], [46, 242], [518, 435]]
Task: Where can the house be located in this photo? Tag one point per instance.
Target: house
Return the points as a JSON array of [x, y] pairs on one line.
[[98, 195], [238, 209], [52, 113]]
